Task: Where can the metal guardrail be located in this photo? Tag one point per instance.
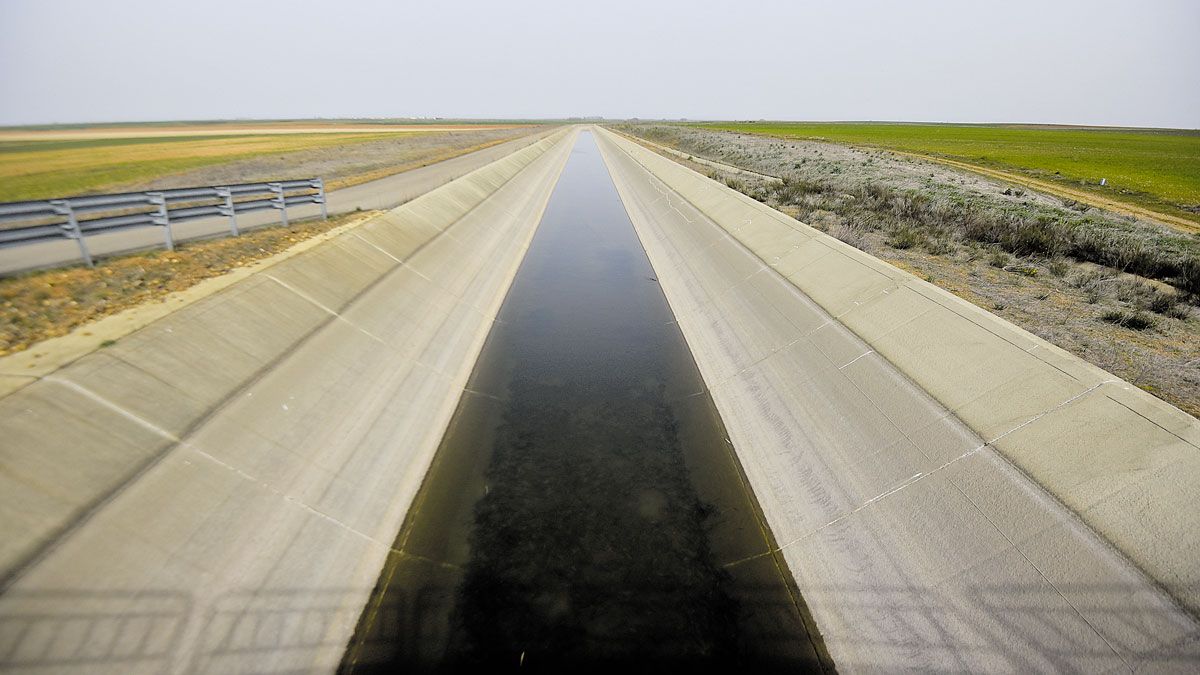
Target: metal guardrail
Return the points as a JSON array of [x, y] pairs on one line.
[[77, 217]]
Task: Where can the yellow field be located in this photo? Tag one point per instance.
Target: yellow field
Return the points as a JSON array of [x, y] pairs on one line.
[[229, 129], [61, 162], [57, 168]]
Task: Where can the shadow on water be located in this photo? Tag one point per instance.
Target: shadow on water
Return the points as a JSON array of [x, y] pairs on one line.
[[584, 509]]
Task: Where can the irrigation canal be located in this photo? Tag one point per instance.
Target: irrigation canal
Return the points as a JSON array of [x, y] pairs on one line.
[[584, 507]]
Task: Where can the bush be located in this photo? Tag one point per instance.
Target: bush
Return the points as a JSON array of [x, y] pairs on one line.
[[875, 196], [1162, 303], [1059, 267], [1132, 320], [1179, 311], [1090, 278], [912, 205], [905, 237], [792, 190], [939, 246], [853, 233], [1042, 237]]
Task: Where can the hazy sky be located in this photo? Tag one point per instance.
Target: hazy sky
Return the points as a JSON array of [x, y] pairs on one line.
[[1086, 62]]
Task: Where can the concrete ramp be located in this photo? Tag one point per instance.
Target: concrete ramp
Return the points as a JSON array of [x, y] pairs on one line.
[[951, 493], [218, 491]]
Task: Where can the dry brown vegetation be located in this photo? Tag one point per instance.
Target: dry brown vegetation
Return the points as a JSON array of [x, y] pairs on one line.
[[45, 304], [1116, 291]]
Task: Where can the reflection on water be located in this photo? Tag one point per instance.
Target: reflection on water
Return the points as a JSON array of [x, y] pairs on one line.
[[584, 508]]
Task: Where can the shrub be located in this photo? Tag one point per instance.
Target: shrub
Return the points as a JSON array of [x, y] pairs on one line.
[[1162, 303], [1042, 236], [1179, 311], [1090, 278], [792, 190], [905, 237], [939, 246], [875, 195], [1058, 267], [853, 233], [912, 205], [1132, 320]]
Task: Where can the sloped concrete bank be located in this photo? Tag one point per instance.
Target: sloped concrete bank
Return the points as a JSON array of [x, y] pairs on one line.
[[951, 492], [227, 480]]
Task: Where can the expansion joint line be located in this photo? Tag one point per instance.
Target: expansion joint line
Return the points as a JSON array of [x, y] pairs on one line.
[[922, 475], [375, 246], [403, 263], [97, 398], [301, 294], [1056, 408], [1013, 545], [291, 499]]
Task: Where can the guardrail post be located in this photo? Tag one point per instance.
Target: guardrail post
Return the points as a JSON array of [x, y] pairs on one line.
[[63, 208], [280, 200], [228, 209], [319, 183], [162, 217]]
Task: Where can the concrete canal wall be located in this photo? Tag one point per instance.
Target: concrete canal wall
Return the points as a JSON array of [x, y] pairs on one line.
[[950, 491], [250, 457]]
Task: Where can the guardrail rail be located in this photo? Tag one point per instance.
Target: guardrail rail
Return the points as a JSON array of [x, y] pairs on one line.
[[78, 217]]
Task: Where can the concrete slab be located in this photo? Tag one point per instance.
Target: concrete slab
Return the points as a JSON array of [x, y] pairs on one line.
[[334, 274]]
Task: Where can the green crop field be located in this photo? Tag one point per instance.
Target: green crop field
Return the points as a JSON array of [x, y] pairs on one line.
[[1157, 169], [36, 169]]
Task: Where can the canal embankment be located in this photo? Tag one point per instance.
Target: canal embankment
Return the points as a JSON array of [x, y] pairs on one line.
[[943, 485], [218, 490]]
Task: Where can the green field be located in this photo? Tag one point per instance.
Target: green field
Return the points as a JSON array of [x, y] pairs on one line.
[[60, 168], [1152, 168]]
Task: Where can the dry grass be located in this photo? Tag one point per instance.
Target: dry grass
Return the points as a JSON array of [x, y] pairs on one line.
[[40, 170], [46, 304]]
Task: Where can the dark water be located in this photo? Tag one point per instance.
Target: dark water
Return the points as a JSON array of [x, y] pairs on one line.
[[584, 510]]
